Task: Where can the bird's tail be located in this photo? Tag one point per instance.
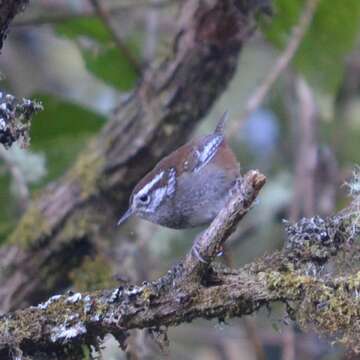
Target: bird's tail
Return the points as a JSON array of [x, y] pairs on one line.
[[221, 123]]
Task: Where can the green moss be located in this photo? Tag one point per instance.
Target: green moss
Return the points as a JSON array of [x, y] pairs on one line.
[[331, 309], [34, 225], [77, 226], [354, 281], [86, 352], [31, 228], [286, 284], [87, 171]]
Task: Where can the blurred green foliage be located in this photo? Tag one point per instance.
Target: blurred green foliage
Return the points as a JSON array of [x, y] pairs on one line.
[[331, 36], [61, 130], [102, 57], [7, 218]]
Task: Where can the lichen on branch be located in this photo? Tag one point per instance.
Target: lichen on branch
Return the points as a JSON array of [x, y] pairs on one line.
[[15, 119]]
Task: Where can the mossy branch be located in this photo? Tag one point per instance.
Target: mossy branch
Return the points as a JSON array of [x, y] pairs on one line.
[[67, 322], [329, 304]]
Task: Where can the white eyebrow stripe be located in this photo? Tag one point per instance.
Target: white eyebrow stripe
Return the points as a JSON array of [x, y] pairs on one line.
[[208, 151], [157, 199], [171, 188], [150, 185]]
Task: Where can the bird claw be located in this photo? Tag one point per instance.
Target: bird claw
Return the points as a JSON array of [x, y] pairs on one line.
[[196, 253]]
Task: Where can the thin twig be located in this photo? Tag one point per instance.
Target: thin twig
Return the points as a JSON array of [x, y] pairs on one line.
[[254, 338], [304, 198], [249, 324], [60, 16], [304, 202], [288, 342], [152, 32], [210, 242], [282, 62], [104, 15], [55, 15]]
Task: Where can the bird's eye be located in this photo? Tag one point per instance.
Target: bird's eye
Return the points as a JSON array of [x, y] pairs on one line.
[[145, 199]]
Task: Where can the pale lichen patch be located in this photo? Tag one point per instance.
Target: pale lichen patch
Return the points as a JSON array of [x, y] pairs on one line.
[[63, 333], [51, 300]]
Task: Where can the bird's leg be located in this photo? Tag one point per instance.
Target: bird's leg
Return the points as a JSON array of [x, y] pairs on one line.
[[195, 250]]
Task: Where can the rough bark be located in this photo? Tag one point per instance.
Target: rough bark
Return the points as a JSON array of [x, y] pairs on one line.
[[62, 225]]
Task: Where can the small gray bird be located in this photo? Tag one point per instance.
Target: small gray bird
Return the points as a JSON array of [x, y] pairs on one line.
[[190, 186]]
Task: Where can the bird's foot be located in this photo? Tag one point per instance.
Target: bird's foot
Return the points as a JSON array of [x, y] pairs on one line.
[[196, 252]]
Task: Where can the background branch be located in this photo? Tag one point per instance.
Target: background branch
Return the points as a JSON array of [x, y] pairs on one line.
[[282, 62], [104, 15], [61, 15], [65, 224]]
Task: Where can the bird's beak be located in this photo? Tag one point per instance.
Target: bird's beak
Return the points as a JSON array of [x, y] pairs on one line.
[[128, 213]]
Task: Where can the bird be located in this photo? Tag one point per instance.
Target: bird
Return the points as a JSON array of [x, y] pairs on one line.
[[187, 188]]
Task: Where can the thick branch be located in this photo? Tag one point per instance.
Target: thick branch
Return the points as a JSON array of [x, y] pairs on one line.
[[64, 324], [62, 225]]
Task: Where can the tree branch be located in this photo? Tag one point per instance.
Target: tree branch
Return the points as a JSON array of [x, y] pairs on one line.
[[104, 16], [60, 15], [63, 225], [282, 62], [65, 323], [211, 241]]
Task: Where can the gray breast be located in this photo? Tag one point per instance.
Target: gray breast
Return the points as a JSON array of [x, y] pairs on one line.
[[201, 195]]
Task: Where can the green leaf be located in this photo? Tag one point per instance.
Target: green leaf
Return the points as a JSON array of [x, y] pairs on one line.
[[101, 56], [90, 27], [61, 117], [8, 208], [110, 65], [61, 131], [331, 36]]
